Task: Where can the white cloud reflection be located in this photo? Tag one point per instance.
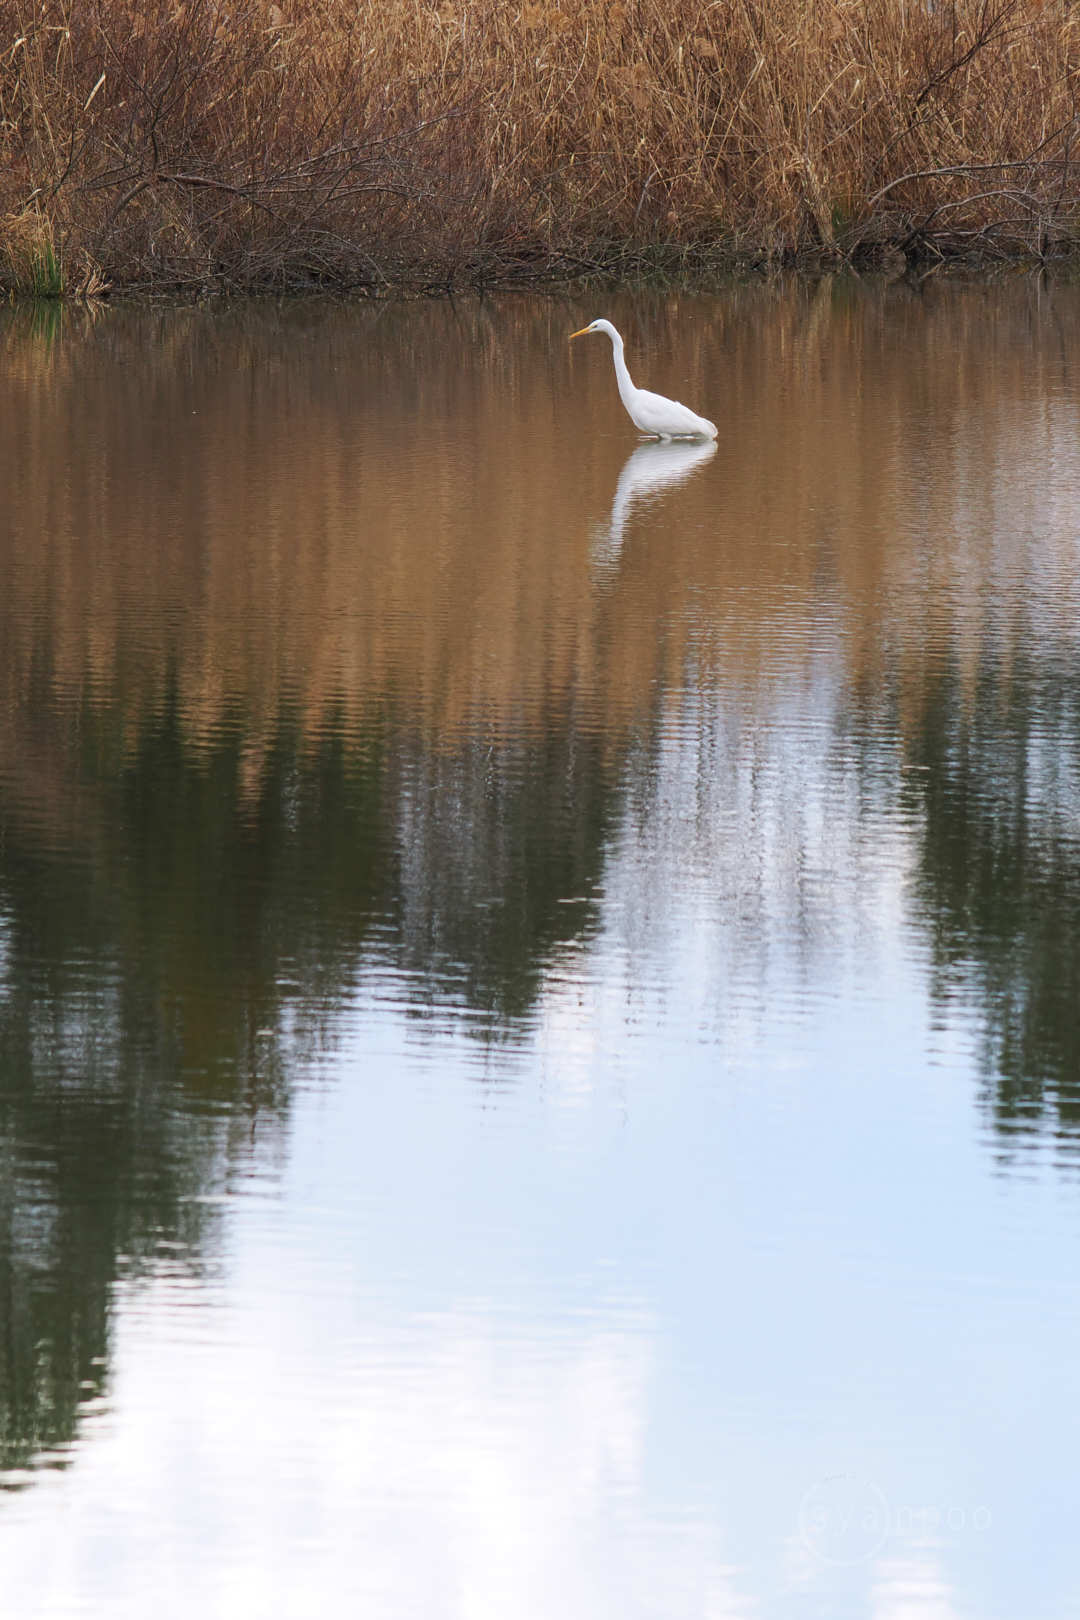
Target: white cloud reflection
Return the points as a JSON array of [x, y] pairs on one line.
[[911, 1588], [309, 1452]]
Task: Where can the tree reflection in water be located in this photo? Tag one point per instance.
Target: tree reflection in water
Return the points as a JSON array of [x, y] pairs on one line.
[[997, 786], [174, 947], [180, 942]]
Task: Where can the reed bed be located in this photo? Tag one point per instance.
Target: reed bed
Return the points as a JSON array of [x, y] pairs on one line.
[[244, 146]]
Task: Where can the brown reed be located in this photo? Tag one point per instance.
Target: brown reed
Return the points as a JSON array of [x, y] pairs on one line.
[[212, 145]]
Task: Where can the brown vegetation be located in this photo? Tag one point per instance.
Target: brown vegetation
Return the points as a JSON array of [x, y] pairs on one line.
[[231, 144]]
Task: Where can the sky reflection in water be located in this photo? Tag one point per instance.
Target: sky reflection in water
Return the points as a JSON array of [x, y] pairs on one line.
[[538, 976]]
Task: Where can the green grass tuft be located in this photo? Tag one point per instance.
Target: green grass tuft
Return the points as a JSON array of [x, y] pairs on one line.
[[46, 274]]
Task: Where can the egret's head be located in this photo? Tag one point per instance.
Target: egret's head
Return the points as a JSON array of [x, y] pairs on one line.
[[597, 326]]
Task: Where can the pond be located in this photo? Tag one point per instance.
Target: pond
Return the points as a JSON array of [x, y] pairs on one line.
[[540, 972]]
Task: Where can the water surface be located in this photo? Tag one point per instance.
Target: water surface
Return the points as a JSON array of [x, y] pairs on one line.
[[539, 972]]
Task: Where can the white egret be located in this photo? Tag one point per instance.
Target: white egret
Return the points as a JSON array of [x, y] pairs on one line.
[[652, 413]]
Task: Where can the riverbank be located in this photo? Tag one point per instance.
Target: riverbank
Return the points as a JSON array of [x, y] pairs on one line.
[[258, 148]]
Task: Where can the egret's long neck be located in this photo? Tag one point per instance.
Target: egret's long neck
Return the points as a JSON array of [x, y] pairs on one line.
[[626, 387]]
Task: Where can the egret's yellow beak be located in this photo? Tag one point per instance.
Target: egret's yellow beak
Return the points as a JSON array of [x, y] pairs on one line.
[[582, 333]]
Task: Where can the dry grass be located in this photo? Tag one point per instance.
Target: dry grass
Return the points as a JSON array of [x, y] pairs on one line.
[[253, 146]]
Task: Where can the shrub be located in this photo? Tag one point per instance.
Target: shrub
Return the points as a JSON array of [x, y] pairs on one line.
[[313, 142]]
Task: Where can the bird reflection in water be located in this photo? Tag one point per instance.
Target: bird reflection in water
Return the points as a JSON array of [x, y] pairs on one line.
[[647, 473]]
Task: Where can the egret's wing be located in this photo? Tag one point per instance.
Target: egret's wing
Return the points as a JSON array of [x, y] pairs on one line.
[[655, 414]]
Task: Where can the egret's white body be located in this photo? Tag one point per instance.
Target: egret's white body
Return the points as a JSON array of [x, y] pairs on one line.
[[652, 413]]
